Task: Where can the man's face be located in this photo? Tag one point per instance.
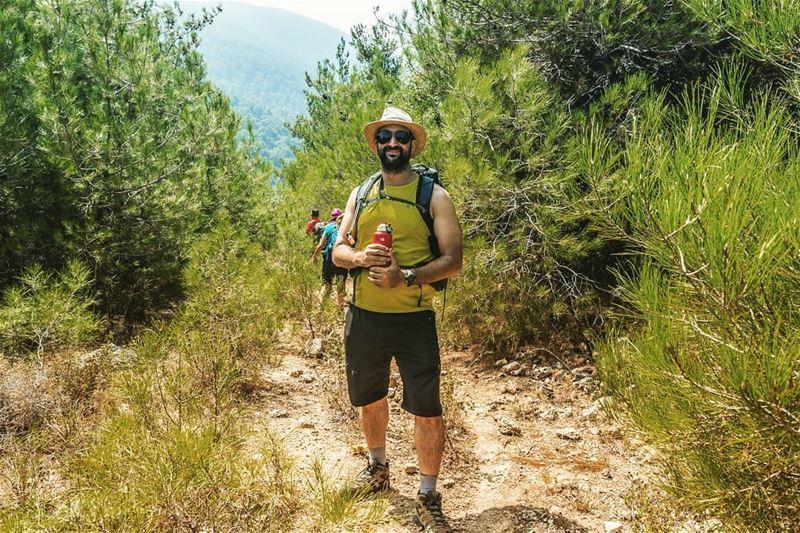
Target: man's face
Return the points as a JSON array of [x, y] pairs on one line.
[[394, 155]]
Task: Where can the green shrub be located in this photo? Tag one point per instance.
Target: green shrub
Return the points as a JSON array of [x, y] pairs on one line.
[[46, 311], [134, 478], [708, 195]]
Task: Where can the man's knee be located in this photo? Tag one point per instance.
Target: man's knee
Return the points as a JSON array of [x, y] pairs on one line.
[[377, 405], [428, 422]]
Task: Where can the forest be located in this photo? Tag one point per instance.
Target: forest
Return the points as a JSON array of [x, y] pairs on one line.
[[625, 173]]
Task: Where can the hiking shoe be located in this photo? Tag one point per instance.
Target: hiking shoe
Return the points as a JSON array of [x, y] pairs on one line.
[[374, 478], [428, 513]]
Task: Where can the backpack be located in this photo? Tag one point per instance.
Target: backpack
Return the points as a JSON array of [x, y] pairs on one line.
[[326, 251], [318, 228], [428, 177]]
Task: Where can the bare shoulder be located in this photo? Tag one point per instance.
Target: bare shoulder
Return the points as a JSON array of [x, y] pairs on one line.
[[351, 202], [441, 200]]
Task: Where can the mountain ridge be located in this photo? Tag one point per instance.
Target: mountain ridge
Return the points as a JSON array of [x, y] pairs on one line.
[[259, 56]]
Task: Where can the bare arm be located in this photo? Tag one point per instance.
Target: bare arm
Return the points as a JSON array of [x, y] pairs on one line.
[[448, 232], [319, 247]]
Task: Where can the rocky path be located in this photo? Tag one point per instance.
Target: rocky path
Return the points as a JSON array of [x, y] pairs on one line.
[[529, 448]]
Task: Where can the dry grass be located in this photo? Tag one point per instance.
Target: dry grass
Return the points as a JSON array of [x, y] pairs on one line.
[[575, 464]]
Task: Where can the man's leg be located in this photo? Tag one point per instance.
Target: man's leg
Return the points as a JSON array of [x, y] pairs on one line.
[[367, 367], [429, 441], [374, 421]]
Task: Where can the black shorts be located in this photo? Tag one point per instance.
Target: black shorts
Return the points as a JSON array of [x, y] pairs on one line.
[[372, 339], [329, 270]]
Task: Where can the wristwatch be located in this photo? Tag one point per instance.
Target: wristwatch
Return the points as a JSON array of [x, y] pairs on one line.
[[411, 278]]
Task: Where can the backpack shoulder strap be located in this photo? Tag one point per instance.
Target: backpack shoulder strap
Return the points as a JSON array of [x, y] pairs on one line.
[[427, 181], [424, 195], [361, 202]]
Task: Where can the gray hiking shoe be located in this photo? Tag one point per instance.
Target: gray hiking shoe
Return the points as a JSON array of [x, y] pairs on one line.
[[428, 513], [374, 478]]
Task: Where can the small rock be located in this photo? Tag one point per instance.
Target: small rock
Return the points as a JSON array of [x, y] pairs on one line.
[[307, 425], [509, 388], [586, 370], [278, 413], [547, 414], [501, 362], [568, 433], [305, 378], [411, 469], [511, 367], [590, 411], [565, 412], [448, 483], [554, 509], [610, 527], [509, 428], [542, 372], [564, 479], [296, 373], [521, 371], [121, 355], [313, 348]]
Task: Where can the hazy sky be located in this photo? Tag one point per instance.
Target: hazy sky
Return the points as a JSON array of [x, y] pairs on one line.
[[342, 14]]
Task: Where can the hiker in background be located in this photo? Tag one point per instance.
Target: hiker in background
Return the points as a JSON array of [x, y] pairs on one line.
[[311, 225], [329, 270], [392, 309]]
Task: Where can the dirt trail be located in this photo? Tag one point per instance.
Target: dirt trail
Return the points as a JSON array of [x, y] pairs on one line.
[[528, 452]]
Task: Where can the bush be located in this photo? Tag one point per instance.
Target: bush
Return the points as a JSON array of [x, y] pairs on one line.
[[708, 195], [45, 311], [232, 291]]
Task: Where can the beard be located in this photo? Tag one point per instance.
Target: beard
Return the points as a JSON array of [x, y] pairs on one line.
[[399, 162]]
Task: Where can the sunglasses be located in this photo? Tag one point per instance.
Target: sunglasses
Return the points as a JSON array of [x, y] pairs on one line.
[[402, 136]]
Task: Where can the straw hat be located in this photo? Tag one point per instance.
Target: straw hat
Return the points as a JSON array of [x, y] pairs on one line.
[[393, 116]]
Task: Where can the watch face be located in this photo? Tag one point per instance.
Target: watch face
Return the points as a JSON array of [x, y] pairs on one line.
[[410, 277]]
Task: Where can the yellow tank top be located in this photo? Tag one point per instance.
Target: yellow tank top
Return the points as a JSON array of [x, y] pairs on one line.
[[409, 245]]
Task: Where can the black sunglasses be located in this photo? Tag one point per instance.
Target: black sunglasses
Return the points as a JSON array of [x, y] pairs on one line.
[[402, 136]]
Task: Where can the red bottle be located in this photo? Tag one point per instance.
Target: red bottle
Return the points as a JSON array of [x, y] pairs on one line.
[[383, 235]]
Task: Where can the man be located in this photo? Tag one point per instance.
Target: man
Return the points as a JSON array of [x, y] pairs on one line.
[[329, 270], [311, 225], [392, 309]]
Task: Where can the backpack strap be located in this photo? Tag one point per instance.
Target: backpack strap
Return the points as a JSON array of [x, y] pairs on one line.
[[362, 202], [424, 196]]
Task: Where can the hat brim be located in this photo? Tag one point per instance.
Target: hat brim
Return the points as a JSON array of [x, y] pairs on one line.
[[419, 141]]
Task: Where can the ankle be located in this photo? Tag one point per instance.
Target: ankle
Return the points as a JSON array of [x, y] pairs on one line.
[[427, 484], [377, 455]]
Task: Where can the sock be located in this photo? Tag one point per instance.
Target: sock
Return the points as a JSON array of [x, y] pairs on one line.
[[377, 455], [427, 483]]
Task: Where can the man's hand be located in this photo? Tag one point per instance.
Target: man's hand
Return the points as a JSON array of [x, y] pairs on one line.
[[389, 276], [375, 255]]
